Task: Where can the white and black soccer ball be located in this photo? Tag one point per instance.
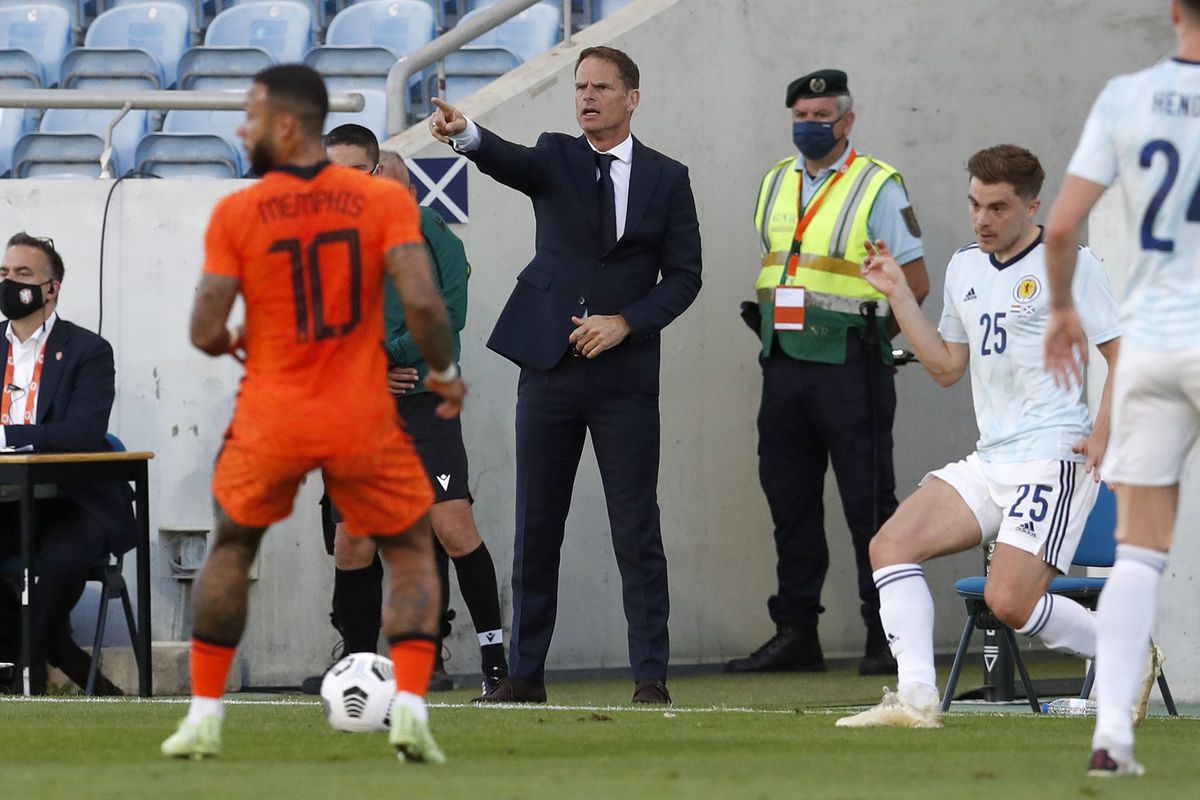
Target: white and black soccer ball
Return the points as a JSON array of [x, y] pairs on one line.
[[357, 693]]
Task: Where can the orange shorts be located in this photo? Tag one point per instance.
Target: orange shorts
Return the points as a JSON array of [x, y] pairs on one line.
[[383, 491]]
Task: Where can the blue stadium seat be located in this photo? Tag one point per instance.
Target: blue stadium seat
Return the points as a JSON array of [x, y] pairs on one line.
[[58, 155], [69, 6], [188, 155], [223, 124], [42, 30], [221, 68], [20, 69], [126, 135], [471, 68], [365, 40], [373, 116], [161, 29], [349, 69], [401, 26], [111, 69], [318, 13], [283, 29], [14, 123], [529, 34], [190, 6]]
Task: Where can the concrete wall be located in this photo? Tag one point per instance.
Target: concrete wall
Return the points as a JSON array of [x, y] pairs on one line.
[[933, 82]]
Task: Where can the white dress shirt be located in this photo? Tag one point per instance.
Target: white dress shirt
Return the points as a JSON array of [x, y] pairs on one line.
[[470, 138], [24, 356]]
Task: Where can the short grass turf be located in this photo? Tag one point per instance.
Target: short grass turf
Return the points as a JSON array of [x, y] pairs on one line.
[[785, 745]]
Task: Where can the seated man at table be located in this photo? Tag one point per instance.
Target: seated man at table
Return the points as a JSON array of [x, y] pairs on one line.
[[58, 390]]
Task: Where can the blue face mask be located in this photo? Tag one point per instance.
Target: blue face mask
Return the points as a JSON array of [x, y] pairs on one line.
[[814, 140]]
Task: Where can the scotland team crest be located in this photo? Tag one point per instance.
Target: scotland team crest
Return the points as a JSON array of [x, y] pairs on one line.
[[1027, 289]]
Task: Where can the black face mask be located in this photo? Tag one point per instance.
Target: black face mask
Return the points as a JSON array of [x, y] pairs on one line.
[[19, 300]]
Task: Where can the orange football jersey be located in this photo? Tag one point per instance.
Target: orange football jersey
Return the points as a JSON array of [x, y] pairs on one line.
[[309, 251]]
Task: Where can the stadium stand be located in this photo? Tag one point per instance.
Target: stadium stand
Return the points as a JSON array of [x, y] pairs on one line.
[[19, 69], [317, 10], [126, 135], [190, 6], [111, 69], [44, 31], [194, 144]]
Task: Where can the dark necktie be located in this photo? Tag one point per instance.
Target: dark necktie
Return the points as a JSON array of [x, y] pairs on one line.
[[608, 201]]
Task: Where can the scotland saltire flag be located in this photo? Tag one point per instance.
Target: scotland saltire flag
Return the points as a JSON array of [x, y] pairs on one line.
[[441, 184]]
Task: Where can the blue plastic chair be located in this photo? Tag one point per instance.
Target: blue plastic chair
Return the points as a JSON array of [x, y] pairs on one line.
[[190, 6], [58, 155], [283, 29], [20, 69], [401, 26], [223, 124], [112, 69], [14, 123], [42, 30], [70, 6], [126, 135], [529, 34], [187, 155], [1097, 548], [161, 29], [317, 9], [221, 68]]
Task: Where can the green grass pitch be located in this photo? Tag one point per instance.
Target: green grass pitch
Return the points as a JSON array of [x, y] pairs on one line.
[[728, 737]]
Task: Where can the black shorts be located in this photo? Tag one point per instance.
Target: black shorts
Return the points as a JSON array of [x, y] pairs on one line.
[[439, 443]]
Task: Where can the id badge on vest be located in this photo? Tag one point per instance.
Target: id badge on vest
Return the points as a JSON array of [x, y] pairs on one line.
[[789, 308]]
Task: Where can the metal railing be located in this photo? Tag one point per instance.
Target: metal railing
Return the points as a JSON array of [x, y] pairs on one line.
[[159, 100], [403, 70]]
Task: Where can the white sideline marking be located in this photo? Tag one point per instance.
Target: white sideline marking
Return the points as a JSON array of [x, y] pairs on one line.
[[488, 706]]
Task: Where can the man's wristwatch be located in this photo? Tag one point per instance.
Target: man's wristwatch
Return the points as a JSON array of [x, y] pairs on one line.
[[446, 375]]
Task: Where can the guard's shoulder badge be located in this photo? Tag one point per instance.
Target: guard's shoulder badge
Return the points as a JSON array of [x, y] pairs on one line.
[[910, 220]]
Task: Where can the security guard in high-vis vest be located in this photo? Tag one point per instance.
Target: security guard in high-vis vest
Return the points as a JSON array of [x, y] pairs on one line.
[[828, 393]]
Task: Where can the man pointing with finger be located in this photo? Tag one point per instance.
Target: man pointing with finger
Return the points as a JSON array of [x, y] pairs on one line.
[[617, 259]]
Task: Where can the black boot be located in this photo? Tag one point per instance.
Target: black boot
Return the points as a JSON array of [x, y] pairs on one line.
[[792, 649], [877, 660]]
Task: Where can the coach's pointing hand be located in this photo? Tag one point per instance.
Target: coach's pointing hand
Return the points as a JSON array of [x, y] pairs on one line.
[[446, 121]]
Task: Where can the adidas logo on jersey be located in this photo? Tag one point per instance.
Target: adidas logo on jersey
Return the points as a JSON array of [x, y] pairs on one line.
[[1027, 529], [970, 294]]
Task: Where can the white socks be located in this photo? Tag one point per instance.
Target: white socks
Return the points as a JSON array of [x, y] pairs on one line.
[[906, 611], [414, 703], [1126, 615], [1062, 625], [202, 707]]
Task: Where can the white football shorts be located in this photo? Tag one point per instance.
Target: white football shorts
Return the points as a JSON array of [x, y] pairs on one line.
[[1036, 506], [1156, 417]]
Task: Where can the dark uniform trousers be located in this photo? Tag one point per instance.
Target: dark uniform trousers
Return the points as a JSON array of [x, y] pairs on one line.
[[812, 414], [556, 409]]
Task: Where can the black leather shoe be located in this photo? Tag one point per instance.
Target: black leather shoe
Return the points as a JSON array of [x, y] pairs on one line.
[[877, 658], [791, 649], [515, 690], [652, 692]]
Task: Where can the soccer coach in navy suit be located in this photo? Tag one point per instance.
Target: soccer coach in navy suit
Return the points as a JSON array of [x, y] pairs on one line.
[[58, 391], [617, 259]]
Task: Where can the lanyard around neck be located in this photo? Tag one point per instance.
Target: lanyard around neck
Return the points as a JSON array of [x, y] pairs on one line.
[[813, 208], [30, 391]]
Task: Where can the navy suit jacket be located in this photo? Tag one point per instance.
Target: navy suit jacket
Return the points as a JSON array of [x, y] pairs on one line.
[[73, 405], [650, 276]]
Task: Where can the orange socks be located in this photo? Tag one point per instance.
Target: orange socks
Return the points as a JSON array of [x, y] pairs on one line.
[[210, 668], [413, 660]]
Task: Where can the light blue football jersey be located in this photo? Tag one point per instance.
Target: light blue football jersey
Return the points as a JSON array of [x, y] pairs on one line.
[[1144, 133], [1000, 312]]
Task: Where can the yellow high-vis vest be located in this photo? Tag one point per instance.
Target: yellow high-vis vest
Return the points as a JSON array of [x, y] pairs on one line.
[[829, 260]]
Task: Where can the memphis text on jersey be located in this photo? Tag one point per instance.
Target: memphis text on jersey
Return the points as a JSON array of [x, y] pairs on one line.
[[310, 204]]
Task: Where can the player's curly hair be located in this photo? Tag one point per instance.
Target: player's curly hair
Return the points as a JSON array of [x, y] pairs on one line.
[[1008, 163]]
